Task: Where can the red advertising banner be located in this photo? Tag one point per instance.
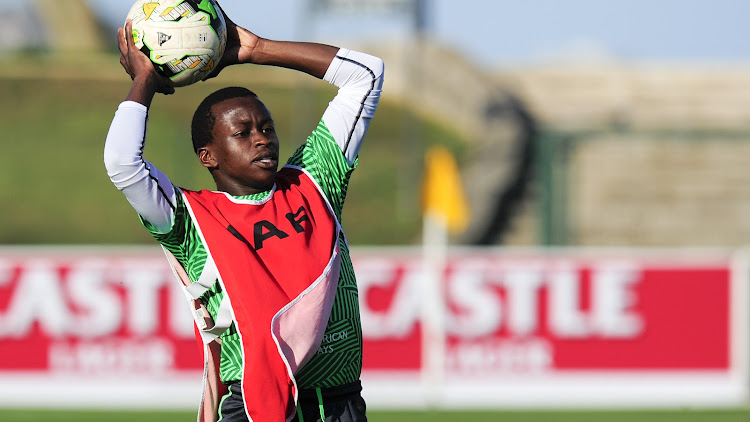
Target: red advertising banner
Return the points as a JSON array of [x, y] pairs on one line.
[[539, 313], [531, 327], [93, 314]]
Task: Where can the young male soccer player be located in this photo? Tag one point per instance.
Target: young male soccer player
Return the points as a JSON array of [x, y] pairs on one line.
[[264, 256]]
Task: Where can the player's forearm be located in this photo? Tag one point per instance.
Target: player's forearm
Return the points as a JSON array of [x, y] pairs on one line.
[[142, 90], [311, 58]]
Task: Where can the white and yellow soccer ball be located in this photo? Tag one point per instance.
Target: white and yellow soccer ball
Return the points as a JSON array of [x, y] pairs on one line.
[[185, 39]]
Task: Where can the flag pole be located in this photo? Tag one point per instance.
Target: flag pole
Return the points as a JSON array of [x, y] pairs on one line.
[[434, 253], [445, 210]]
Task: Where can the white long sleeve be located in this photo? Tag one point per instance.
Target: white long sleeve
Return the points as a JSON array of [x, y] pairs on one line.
[[147, 189], [359, 77]]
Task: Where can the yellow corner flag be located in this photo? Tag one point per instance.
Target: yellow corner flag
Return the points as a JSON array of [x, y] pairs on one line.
[[443, 194]]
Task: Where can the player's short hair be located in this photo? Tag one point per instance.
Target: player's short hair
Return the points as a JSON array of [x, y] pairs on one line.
[[203, 119]]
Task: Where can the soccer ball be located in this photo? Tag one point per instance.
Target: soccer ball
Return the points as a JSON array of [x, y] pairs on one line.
[[185, 39]]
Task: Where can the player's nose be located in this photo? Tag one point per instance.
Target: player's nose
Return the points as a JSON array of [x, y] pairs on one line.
[[260, 139]]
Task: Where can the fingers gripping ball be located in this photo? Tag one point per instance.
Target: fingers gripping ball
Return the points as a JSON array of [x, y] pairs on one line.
[[185, 39]]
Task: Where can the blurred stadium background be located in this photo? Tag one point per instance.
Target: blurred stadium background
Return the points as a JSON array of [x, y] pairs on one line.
[[583, 157]]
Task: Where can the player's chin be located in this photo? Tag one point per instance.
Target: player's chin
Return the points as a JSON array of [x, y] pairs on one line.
[[264, 177]]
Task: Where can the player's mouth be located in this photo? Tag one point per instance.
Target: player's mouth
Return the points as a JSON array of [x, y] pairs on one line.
[[266, 161]]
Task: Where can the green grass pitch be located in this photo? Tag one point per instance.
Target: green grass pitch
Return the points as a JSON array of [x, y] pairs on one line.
[[674, 415]]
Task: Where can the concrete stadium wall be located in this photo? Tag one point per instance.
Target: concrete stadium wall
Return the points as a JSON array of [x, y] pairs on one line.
[[639, 96], [657, 153]]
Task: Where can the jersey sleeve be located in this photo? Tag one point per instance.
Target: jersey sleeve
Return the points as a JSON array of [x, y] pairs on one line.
[[148, 190], [330, 153], [359, 77]]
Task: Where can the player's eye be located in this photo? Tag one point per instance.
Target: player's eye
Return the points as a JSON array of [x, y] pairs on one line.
[[269, 129], [242, 133]]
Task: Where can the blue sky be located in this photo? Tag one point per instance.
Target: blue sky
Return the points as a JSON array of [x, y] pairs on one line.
[[500, 32]]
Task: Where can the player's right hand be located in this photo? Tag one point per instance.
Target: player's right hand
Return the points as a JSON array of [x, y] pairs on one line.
[[137, 64]]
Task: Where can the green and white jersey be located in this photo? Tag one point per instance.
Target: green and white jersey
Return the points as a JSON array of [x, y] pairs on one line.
[[339, 359], [329, 154]]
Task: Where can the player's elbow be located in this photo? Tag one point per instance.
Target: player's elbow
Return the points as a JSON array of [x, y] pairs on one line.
[[113, 160], [378, 71], [121, 168]]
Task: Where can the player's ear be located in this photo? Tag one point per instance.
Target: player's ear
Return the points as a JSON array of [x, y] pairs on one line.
[[206, 157]]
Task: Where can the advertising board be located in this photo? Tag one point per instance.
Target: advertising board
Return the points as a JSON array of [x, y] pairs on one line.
[[561, 329], [110, 327]]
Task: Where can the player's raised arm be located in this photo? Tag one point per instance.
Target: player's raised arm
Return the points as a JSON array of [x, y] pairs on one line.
[[243, 46], [359, 77], [147, 189]]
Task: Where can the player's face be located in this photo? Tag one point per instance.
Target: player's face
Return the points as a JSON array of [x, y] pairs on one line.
[[244, 146]]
